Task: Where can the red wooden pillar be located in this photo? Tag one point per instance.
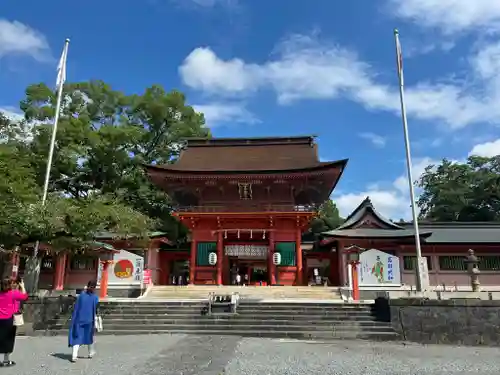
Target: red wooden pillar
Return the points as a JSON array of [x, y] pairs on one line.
[[220, 256], [270, 264], [59, 271], [300, 269], [192, 262], [355, 282], [104, 278]]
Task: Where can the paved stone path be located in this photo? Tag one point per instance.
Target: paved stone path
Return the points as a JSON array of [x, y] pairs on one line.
[[216, 355]]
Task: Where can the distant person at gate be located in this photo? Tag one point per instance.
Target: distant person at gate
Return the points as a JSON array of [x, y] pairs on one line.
[[82, 328]]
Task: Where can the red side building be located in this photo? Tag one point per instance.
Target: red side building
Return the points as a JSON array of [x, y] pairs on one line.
[[244, 200]]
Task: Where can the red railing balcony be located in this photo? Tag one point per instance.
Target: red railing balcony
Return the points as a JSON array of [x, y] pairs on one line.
[[248, 208]]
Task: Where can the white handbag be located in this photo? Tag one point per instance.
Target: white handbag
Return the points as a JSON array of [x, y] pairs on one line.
[[18, 320], [98, 324]]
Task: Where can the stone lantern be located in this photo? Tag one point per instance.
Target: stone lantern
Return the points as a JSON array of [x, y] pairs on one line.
[[472, 263]]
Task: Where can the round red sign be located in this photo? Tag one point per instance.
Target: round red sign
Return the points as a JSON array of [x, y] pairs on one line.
[[124, 269]]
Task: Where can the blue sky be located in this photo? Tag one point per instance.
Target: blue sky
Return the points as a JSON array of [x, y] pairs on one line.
[[286, 67]]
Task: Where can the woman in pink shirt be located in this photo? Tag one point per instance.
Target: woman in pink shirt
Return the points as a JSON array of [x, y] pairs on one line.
[[10, 299]]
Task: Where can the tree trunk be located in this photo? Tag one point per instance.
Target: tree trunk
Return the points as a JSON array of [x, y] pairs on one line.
[[32, 274]]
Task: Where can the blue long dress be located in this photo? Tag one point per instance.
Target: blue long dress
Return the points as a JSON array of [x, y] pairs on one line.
[[82, 327]]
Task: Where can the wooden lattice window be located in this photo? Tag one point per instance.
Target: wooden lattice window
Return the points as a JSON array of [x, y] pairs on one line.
[[48, 263], [489, 262], [83, 263], [410, 263], [452, 263]]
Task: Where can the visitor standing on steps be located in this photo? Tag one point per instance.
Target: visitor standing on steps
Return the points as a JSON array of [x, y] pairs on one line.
[[11, 295], [83, 321]]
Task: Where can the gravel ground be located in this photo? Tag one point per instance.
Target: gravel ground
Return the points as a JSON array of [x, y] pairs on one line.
[[215, 355]]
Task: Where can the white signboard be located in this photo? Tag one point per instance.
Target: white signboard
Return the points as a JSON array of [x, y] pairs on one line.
[[127, 269], [424, 272], [377, 268], [246, 251]]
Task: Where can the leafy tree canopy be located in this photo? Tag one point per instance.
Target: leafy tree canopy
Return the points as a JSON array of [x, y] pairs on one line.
[[328, 218], [467, 191], [97, 180], [105, 136]]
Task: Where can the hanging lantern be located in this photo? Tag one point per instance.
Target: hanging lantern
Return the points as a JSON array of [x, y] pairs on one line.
[[212, 259], [263, 234], [225, 234], [238, 234], [276, 259], [251, 234]]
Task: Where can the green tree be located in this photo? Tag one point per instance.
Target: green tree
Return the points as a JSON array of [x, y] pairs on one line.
[[328, 218], [467, 191], [64, 223], [104, 139]]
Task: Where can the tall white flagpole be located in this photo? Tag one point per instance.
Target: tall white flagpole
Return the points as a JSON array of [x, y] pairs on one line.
[[61, 78], [408, 161]]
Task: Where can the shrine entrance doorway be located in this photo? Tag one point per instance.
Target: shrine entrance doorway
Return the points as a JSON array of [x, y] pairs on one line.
[[251, 272], [249, 261]]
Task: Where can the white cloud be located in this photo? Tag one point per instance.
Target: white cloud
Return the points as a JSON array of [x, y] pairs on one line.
[[212, 3], [375, 139], [450, 16], [388, 202], [207, 4], [18, 38], [12, 113], [304, 68], [220, 113], [487, 149], [392, 201]]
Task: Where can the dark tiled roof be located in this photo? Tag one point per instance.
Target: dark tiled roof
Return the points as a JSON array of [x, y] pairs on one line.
[[460, 232], [375, 233], [361, 212], [248, 154], [431, 232]]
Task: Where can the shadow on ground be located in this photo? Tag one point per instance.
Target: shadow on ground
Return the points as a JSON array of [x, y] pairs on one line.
[[63, 356]]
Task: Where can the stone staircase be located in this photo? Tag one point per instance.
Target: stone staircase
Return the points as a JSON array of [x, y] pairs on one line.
[[201, 292], [279, 319]]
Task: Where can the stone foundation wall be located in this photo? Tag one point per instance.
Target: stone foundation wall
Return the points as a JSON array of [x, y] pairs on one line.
[[38, 312], [453, 321]]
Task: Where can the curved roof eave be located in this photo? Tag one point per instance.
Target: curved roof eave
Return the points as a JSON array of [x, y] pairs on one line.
[[383, 234], [339, 164]]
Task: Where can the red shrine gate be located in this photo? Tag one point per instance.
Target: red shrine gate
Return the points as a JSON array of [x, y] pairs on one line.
[[244, 200]]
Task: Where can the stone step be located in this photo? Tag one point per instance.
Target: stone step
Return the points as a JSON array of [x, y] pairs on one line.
[[249, 326], [232, 320], [180, 315], [243, 290], [300, 335], [259, 291], [255, 312], [284, 319], [242, 305]]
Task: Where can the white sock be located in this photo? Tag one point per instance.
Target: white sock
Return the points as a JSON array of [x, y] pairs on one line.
[[91, 349], [6, 357], [75, 351]]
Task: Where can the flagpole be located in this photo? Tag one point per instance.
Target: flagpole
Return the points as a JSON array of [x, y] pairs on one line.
[[408, 162], [60, 83]]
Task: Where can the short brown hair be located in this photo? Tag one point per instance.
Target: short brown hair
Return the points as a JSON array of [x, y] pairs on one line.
[[6, 285]]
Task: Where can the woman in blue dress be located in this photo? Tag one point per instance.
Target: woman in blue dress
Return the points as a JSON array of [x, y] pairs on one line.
[[83, 320]]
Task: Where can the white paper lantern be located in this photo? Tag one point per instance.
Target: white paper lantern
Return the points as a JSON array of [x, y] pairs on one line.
[[277, 259], [212, 259]]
